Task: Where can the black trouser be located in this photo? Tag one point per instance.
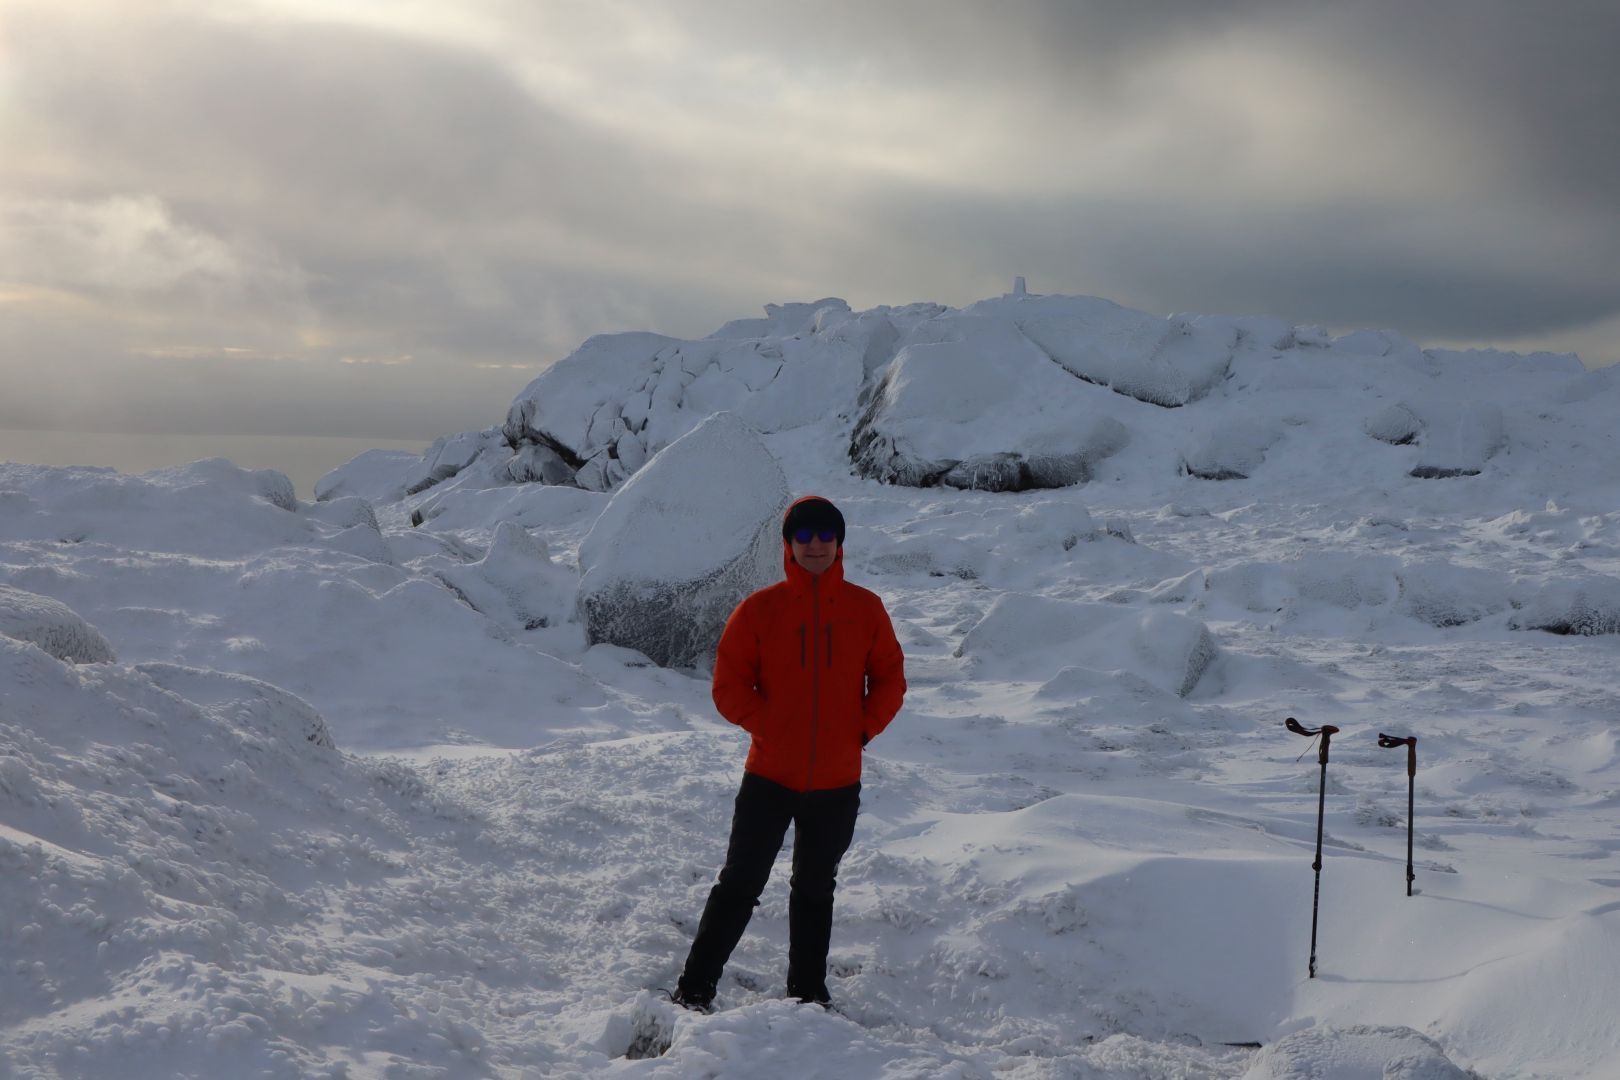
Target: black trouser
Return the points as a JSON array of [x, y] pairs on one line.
[[823, 825]]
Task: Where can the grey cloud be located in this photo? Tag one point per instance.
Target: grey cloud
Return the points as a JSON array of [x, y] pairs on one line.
[[1467, 278], [379, 194]]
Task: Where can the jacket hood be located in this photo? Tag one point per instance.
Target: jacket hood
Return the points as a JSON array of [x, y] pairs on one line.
[[797, 574]]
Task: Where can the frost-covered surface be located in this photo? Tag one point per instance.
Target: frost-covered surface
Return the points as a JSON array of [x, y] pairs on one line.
[[51, 625], [359, 798]]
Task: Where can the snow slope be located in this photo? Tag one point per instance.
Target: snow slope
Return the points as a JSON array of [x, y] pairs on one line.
[[351, 796]]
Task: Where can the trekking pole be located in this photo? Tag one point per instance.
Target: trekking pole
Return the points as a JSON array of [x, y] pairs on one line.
[[1390, 742], [1327, 731]]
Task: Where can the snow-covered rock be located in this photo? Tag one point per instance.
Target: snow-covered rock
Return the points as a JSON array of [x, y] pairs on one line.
[[1024, 636], [1584, 607], [251, 707], [450, 455], [680, 544], [1232, 449], [1328, 580], [53, 626], [516, 582], [210, 508], [1442, 594], [1458, 438], [1395, 424], [974, 405], [1355, 1053], [378, 475], [1166, 362], [619, 399]]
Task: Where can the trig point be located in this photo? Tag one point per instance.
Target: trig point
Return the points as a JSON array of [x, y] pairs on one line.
[[1018, 286]]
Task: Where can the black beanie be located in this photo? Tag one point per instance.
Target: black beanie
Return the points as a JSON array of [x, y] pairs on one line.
[[813, 513]]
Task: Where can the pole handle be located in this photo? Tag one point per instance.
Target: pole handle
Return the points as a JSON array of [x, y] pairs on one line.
[[1390, 742], [1327, 731]]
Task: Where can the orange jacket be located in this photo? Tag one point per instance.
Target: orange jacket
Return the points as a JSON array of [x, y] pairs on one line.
[[811, 669]]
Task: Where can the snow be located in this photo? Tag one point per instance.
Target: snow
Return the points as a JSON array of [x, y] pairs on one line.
[[352, 792]]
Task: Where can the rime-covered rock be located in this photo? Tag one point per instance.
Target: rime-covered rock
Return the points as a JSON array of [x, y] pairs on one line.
[[1355, 1053], [53, 626], [973, 404], [1232, 449], [1584, 607], [604, 411], [1395, 424], [516, 582], [1458, 438], [1167, 362], [448, 456], [1443, 594], [690, 535], [1028, 637], [376, 475], [251, 707]]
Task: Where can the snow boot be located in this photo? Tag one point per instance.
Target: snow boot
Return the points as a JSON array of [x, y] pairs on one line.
[[696, 998]]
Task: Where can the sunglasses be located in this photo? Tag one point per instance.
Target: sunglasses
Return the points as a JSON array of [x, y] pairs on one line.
[[826, 536]]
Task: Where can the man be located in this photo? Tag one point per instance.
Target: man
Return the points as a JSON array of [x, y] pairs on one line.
[[810, 668]]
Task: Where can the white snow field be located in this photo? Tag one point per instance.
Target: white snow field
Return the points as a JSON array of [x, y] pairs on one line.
[[294, 789]]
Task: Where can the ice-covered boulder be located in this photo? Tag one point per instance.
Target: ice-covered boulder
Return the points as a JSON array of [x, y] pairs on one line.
[[1167, 362], [448, 456], [1297, 585], [682, 542], [1583, 607], [1024, 636], [1232, 449], [249, 706], [1395, 424], [1443, 594], [975, 405], [377, 475], [355, 522], [516, 582], [53, 626], [599, 414], [1355, 1053], [1458, 438]]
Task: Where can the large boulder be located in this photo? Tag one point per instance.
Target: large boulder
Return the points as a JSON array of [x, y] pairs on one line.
[[53, 626], [598, 415], [1458, 438], [516, 582], [1231, 449], [973, 404], [682, 542], [1167, 362], [1584, 607], [1034, 637], [378, 476]]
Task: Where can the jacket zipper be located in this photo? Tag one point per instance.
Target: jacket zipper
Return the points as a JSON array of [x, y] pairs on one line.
[[815, 685], [801, 645]]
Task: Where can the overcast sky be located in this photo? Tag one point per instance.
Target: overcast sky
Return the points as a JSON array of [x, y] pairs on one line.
[[383, 217]]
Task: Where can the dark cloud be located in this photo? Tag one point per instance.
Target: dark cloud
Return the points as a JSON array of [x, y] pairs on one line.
[[180, 183]]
